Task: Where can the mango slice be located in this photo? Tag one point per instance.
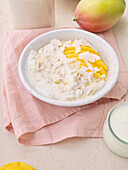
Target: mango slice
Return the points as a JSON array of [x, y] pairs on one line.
[[17, 166], [71, 53]]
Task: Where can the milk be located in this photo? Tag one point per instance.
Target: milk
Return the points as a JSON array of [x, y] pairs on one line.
[[119, 122], [27, 14], [115, 131]]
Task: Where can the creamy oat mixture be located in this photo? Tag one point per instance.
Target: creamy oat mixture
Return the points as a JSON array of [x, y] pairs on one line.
[[66, 70]]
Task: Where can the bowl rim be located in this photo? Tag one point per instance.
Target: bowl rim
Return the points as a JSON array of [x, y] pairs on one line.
[[67, 103], [109, 121]]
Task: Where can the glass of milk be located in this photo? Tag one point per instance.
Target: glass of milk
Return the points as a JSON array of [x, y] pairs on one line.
[[115, 131], [28, 14]]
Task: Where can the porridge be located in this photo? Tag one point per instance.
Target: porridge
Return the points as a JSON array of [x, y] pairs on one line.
[[66, 70]]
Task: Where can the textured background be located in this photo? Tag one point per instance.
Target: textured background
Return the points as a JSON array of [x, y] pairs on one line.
[[71, 154]]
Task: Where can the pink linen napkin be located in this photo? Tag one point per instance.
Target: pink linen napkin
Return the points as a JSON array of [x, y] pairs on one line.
[[37, 123]]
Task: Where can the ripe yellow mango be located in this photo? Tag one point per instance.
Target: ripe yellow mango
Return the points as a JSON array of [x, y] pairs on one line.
[[17, 166]]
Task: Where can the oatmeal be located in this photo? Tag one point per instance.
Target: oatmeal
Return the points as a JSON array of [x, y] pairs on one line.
[[66, 70]]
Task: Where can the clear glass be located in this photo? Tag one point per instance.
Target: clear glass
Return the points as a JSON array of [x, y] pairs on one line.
[[113, 141], [29, 14]]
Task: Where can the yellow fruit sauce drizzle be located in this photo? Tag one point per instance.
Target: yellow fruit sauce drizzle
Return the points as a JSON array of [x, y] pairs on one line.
[[71, 53]]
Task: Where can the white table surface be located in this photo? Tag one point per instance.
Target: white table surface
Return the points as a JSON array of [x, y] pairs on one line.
[[70, 154]]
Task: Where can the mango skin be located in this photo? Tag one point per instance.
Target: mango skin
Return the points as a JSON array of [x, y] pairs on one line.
[[99, 15]]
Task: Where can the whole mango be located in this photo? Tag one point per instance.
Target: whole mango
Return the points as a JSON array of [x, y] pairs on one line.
[[99, 15]]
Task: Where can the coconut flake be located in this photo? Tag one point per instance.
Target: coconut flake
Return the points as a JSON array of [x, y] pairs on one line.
[[89, 56], [49, 50], [62, 57], [83, 71], [61, 49], [90, 76], [76, 45], [67, 43], [85, 43], [77, 48], [89, 65], [77, 65], [81, 42], [95, 69], [56, 42], [103, 76], [87, 75]]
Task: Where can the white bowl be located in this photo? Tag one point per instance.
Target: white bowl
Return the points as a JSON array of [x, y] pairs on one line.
[[106, 52]]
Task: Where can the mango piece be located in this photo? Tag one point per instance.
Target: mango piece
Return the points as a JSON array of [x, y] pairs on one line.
[[86, 48], [71, 53], [17, 166], [83, 63], [100, 63], [99, 15], [5, 166], [69, 48], [97, 75], [102, 71], [26, 166]]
